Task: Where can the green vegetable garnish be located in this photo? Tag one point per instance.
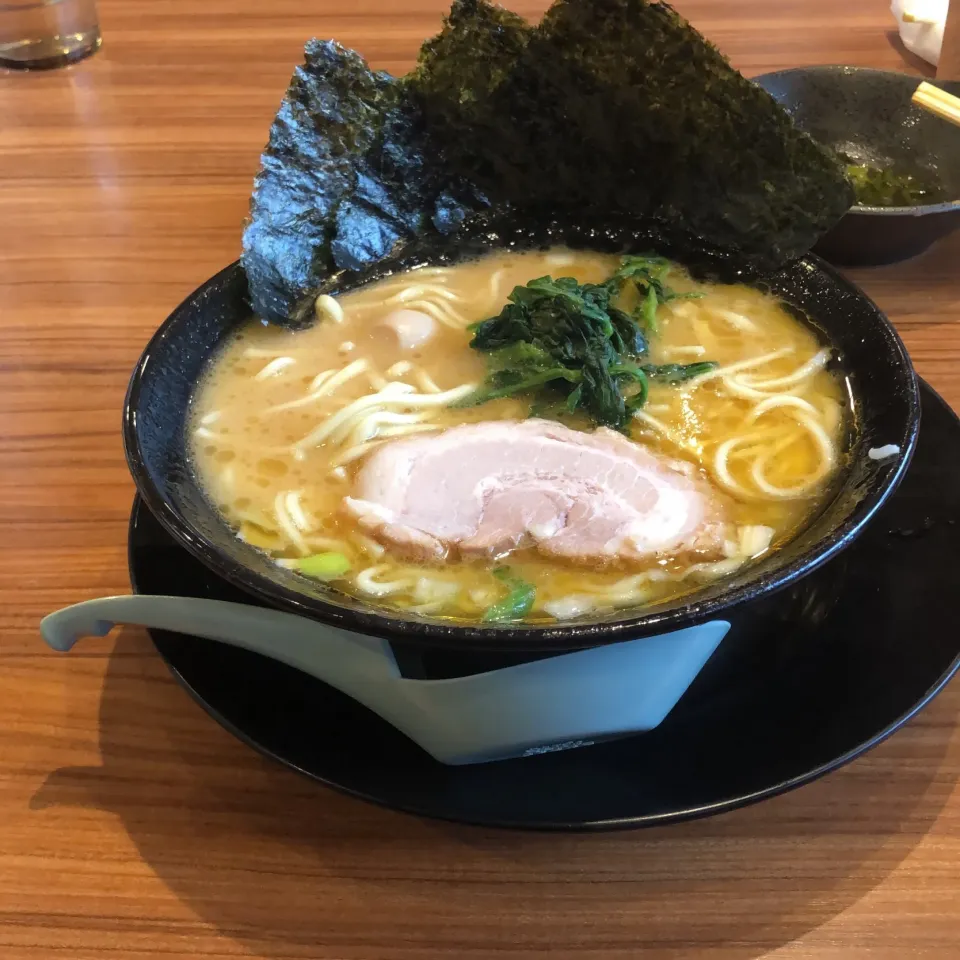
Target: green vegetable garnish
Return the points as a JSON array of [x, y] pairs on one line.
[[887, 186], [678, 372], [567, 337], [647, 274], [516, 604], [570, 340], [648, 310], [323, 566]]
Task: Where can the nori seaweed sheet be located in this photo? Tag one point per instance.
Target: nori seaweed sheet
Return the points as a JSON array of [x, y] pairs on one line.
[[345, 177], [607, 114]]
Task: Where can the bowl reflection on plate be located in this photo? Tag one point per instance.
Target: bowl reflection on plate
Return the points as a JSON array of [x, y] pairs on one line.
[[867, 114]]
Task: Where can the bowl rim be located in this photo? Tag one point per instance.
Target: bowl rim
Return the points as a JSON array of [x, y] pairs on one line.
[[864, 209], [561, 637]]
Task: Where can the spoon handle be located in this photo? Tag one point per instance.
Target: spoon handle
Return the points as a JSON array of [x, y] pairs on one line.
[[342, 659]]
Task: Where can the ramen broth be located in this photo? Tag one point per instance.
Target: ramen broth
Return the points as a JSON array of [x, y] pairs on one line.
[[277, 435]]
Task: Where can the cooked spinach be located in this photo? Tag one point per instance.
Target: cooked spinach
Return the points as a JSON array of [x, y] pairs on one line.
[[678, 372], [568, 336], [516, 604], [647, 274], [572, 341]]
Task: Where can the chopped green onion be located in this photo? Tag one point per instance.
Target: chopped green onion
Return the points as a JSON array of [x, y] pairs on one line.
[[516, 604], [323, 566]]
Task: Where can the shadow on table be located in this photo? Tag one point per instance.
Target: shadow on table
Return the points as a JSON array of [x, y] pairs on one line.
[[910, 59], [289, 868]]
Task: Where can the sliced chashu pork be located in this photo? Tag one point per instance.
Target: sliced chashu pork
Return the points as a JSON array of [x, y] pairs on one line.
[[485, 489]]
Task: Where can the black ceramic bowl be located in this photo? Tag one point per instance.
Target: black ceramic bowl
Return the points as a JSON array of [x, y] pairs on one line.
[[867, 114], [879, 377]]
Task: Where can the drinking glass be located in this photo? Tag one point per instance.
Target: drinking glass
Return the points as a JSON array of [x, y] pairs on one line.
[[39, 34]]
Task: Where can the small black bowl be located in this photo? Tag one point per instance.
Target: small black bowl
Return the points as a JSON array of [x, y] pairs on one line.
[[867, 114], [879, 378]]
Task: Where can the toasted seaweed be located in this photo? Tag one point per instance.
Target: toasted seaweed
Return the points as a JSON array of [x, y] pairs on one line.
[[610, 116], [344, 178], [331, 114], [456, 82], [619, 108]]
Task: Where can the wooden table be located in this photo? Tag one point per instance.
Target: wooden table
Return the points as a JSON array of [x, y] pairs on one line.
[[131, 825], [949, 66]]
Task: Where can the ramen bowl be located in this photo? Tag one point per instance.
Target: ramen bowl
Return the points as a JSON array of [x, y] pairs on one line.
[[867, 115], [544, 686]]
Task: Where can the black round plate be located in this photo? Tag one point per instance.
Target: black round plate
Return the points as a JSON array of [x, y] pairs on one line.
[[885, 645]]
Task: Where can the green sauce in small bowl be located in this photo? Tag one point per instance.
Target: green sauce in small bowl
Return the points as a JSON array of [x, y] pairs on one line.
[[890, 186]]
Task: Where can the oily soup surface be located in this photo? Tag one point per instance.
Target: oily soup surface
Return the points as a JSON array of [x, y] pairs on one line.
[[276, 447]]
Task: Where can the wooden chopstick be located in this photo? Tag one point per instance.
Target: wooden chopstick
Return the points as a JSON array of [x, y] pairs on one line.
[[938, 101]]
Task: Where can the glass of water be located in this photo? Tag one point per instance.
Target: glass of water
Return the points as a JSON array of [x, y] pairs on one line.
[[39, 34]]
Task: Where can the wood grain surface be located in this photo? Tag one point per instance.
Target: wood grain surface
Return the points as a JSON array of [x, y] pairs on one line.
[[131, 826], [949, 65]]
